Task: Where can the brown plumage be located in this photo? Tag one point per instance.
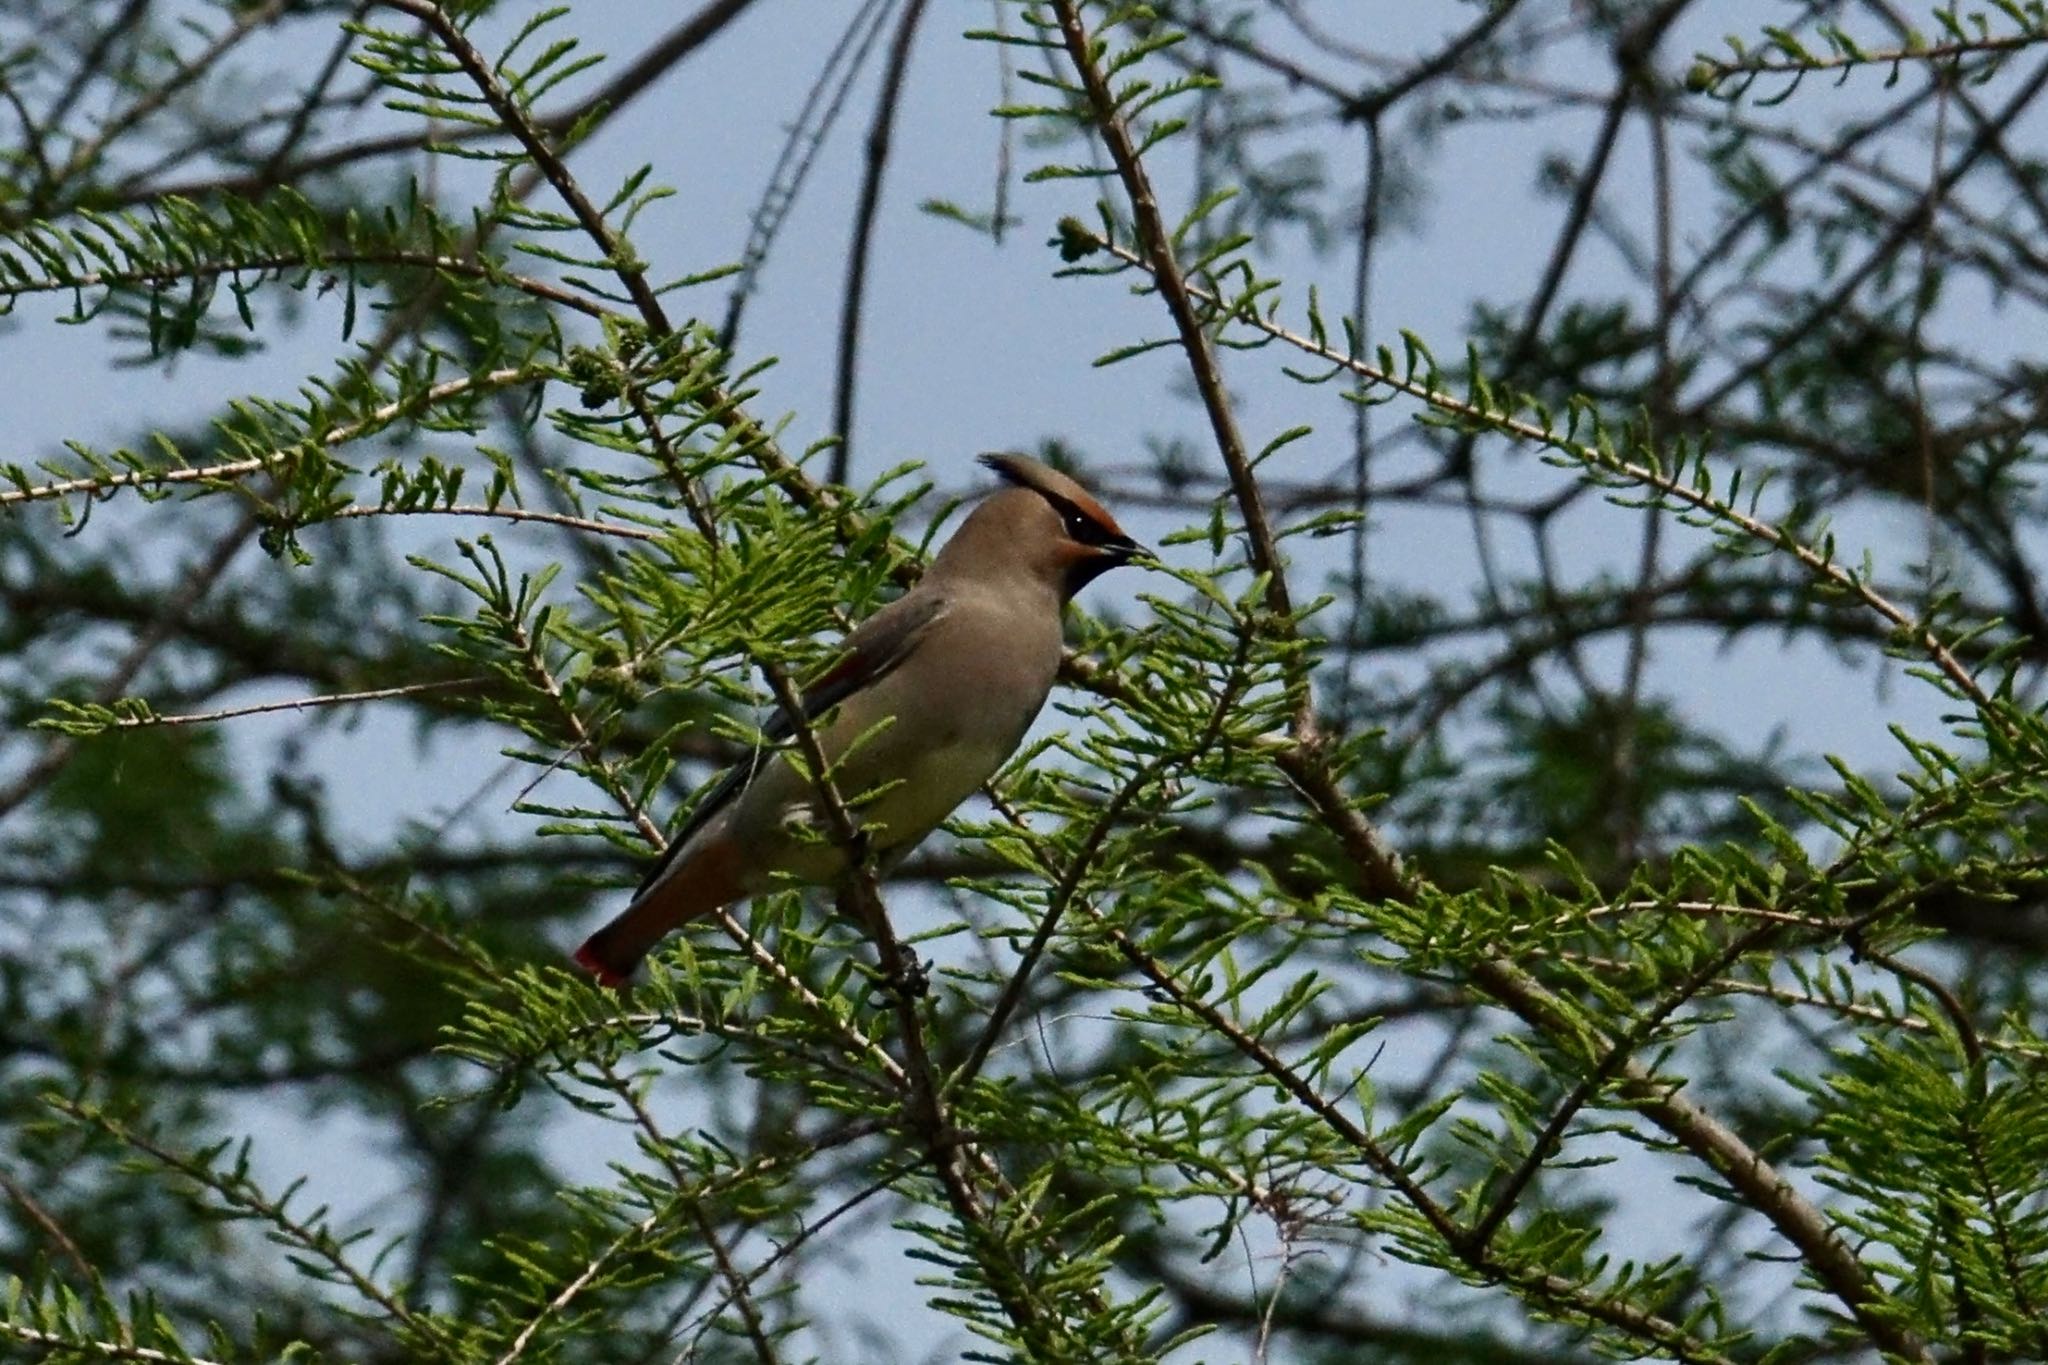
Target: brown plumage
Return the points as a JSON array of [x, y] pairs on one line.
[[943, 683]]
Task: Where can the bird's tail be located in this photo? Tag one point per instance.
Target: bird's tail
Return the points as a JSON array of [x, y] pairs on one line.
[[693, 885]]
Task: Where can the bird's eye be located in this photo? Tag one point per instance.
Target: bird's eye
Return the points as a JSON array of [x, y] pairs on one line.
[[1078, 526]]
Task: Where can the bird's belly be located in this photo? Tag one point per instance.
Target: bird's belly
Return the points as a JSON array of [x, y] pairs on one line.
[[935, 781]]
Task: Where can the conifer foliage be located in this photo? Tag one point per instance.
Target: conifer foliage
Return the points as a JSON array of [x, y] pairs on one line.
[[1357, 964]]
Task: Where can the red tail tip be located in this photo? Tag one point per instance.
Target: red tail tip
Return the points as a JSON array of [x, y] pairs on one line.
[[589, 961]]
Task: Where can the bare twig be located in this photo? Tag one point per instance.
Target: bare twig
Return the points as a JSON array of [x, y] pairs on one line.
[[51, 1228], [158, 93], [198, 580], [880, 133], [297, 704], [632, 80], [805, 138], [1902, 232]]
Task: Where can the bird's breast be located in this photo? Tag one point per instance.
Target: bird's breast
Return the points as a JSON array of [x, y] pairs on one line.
[[911, 747], [960, 714]]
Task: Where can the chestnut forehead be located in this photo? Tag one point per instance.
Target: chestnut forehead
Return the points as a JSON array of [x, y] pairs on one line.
[[1056, 488]]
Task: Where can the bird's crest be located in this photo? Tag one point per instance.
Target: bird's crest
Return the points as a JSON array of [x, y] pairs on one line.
[[1068, 498]]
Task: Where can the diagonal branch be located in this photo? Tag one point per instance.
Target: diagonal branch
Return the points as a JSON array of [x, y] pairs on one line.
[[516, 120], [1500, 418], [1161, 261], [1383, 875], [1475, 1253]]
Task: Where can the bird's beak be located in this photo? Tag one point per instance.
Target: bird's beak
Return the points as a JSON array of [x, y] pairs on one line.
[[1128, 551]]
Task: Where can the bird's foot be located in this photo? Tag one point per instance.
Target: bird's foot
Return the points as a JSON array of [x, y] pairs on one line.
[[912, 979]]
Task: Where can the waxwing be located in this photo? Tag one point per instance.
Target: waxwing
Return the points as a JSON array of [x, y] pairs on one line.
[[938, 689]]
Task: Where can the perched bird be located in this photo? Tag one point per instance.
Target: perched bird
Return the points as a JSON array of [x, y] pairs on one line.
[[938, 687]]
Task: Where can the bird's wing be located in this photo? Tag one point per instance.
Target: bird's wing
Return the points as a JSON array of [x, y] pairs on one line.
[[874, 649]]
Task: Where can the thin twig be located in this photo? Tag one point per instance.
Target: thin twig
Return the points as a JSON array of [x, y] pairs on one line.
[[617, 530], [1067, 885], [602, 104], [238, 1195], [582, 1281], [1163, 263], [315, 95], [664, 1214], [880, 133], [805, 138], [1903, 230], [1959, 1018], [1753, 1177], [1480, 1258], [374, 421], [52, 1342], [296, 704], [657, 1142], [618, 255], [198, 580], [1710, 72], [1667, 484], [52, 1229], [813, 1227], [159, 92]]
